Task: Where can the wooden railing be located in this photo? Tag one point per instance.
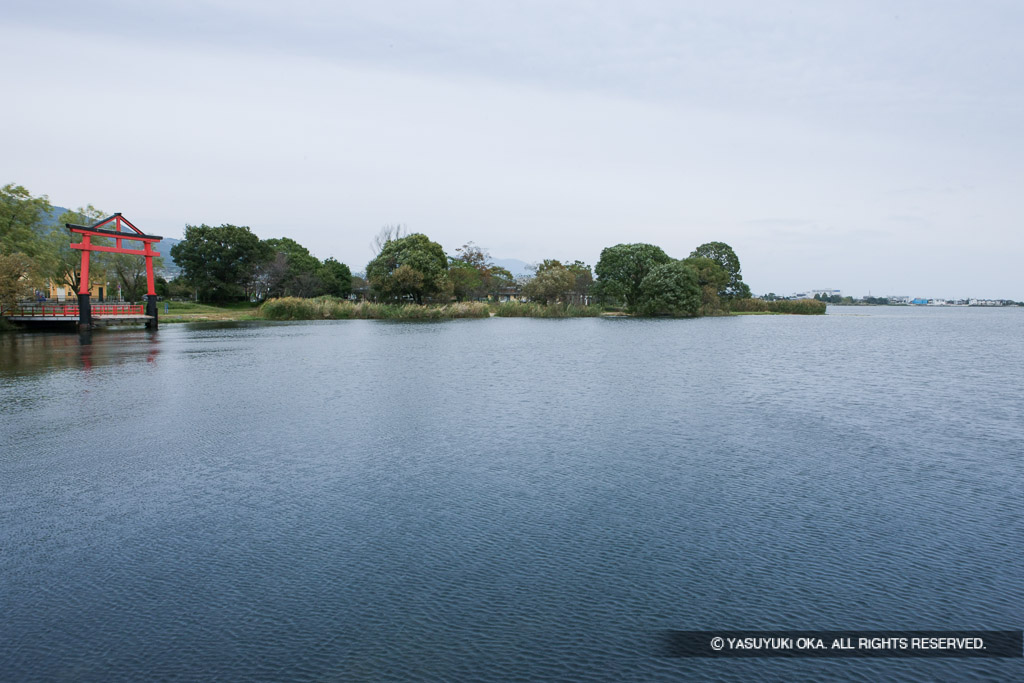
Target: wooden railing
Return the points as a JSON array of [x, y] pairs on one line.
[[54, 310]]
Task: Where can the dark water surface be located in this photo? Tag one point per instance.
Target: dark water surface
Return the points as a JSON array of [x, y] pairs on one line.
[[507, 499]]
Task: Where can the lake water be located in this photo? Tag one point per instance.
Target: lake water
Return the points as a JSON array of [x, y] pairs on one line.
[[507, 499]]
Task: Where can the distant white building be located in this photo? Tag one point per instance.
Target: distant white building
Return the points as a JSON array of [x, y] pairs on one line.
[[825, 292]]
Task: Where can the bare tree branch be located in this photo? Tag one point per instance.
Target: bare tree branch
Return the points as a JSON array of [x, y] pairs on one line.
[[387, 234]]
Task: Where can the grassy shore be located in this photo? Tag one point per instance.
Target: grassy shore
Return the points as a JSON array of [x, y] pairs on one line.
[[330, 308], [190, 312]]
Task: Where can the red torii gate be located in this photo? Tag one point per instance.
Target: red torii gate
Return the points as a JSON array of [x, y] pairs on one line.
[[86, 246]]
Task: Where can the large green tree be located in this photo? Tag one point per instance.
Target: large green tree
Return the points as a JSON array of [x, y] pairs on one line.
[[410, 266], [621, 270], [724, 256], [15, 278], [671, 289], [300, 273], [219, 261], [712, 279], [335, 278], [22, 219], [553, 282], [465, 278]]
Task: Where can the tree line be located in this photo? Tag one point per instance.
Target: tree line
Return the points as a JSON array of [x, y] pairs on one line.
[[230, 263], [642, 278], [222, 264]]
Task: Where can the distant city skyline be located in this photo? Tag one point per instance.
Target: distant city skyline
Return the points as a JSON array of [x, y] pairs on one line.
[[871, 146]]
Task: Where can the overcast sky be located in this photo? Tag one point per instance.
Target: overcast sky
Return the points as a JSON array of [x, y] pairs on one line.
[[863, 146]]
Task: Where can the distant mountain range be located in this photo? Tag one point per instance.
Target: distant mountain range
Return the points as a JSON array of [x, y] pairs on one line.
[[171, 269], [513, 265], [52, 220]]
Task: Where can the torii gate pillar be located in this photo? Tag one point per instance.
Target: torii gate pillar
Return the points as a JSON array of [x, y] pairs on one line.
[[84, 307], [151, 307], [84, 311]]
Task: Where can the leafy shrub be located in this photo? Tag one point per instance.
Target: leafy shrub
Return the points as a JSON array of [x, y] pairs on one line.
[[670, 289]]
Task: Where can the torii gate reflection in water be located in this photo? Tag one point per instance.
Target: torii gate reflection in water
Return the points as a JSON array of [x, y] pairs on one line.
[[86, 246]]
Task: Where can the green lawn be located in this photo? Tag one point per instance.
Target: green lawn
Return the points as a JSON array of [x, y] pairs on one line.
[[190, 311]]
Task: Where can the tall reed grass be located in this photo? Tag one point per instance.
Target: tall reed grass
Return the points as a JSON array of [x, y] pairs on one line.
[[331, 308], [798, 307]]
